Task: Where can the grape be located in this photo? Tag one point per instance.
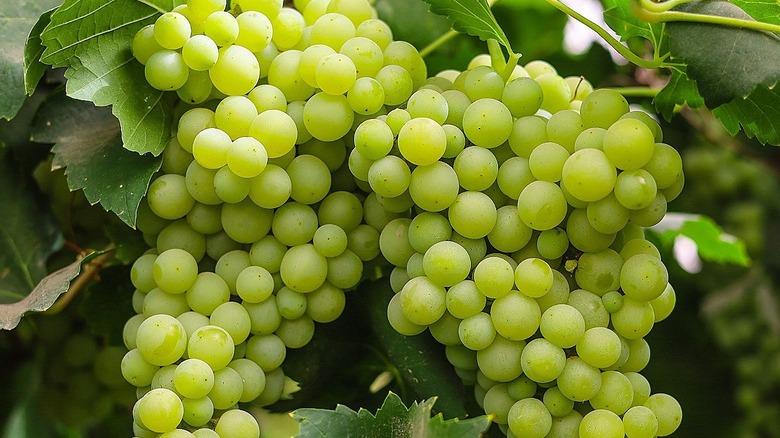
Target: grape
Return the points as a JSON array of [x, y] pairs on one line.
[[601, 423], [487, 122], [335, 73], [236, 71], [635, 189], [476, 167], [602, 108], [144, 44], [515, 316], [616, 393], [589, 175], [579, 381], [212, 345], [562, 325], [175, 270], [446, 263], [197, 412], [629, 144], [634, 320], [500, 361], [172, 30], [640, 422], [533, 277], [422, 301], [389, 176], [166, 70], [476, 332], [288, 26], [529, 418], [472, 214], [541, 205], [542, 361], [193, 378], [237, 423], [494, 277], [221, 27], [161, 340]]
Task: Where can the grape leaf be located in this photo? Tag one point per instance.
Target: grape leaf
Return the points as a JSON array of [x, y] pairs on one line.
[[758, 114], [618, 16], [713, 244], [16, 20], [735, 61], [419, 32], [88, 144], [762, 10], [681, 90], [108, 303], [393, 419], [28, 236], [473, 17], [92, 38], [33, 67]]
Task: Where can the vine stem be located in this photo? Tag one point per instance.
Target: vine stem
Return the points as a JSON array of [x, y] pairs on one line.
[[651, 12], [609, 39], [89, 272], [637, 91]]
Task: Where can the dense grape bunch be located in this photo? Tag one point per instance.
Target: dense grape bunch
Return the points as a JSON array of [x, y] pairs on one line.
[[310, 142]]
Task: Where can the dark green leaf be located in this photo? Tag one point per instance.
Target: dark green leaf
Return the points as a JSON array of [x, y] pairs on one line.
[[618, 16], [713, 244], [43, 295], [28, 236], [130, 244], [419, 32], [92, 38], [393, 419], [473, 17], [681, 90], [88, 145], [108, 303], [33, 67], [758, 114], [762, 10], [736, 60], [16, 20]]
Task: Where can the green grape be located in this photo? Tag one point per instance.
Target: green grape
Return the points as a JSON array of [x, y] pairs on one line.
[[405, 55], [445, 330], [557, 403], [245, 222], [200, 53], [643, 277], [601, 423], [268, 351], [472, 214], [310, 60], [422, 301], [533, 277], [497, 402], [567, 426], [191, 124], [522, 96], [530, 418], [310, 179], [228, 388], [267, 97], [446, 263], [476, 167], [599, 272], [236, 71], [296, 333], [482, 81], [538, 67], [144, 44], [247, 157], [552, 243], [635, 189], [513, 176], [628, 144], [230, 187], [328, 117], [303, 269], [429, 104], [590, 138], [283, 73], [219, 244], [254, 30], [464, 299], [271, 188], [366, 96], [542, 361], [175, 270], [434, 187], [207, 293], [457, 103], [174, 158], [212, 345], [193, 378], [326, 303], [546, 161], [562, 325], [389, 176], [169, 198], [652, 214], [515, 316], [509, 233], [171, 30], [590, 306], [232, 317], [335, 73], [332, 29], [607, 215], [613, 301], [221, 27], [210, 146], [376, 30], [157, 302], [396, 316], [500, 361], [602, 108], [373, 139], [197, 412], [588, 175], [230, 265], [288, 28], [294, 224], [237, 424], [276, 131], [665, 165], [254, 284], [579, 381], [461, 357], [142, 274], [583, 236], [599, 347], [160, 410], [564, 127], [136, 370], [640, 422], [476, 332], [494, 277], [664, 304], [615, 394], [541, 205], [422, 141], [166, 70], [265, 316], [634, 320], [202, 8], [487, 122], [234, 115], [557, 93], [396, 83], [527, 133], [291, 304]]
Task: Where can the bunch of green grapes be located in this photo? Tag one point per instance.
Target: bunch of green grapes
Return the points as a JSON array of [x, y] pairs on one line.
[[82, 386], [526, 255], [511, 211]]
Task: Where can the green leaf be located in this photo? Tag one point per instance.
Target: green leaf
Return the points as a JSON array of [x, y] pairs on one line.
[[16, 20], [33, 49], [28, 236], [130, 244], [713, 244], [419, 32], [681, 90], [736, 60], [393, 419], [758, 114], [88, 145], [618, 16], [108, 303], [92, 38], [43, 295], [761, 10], [473, 17]]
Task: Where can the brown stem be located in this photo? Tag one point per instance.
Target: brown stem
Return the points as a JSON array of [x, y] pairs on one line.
[[89, 272]]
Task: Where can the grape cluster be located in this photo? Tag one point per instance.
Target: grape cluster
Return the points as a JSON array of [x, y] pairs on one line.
[[526, 256], [310, 142]]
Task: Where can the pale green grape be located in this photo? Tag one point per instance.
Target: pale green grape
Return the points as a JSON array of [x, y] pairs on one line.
[[579, 381], [456, 141], [389, 176], [616, 393], [527, 133], [294, 224], [228, 388], [193, 378], [476, 167], [429, 104], [457, 103], [398, 320], [510, 233], [446, 263], [283, 73], [552, 243], [602, 108], [513, 176], [599, 272], [169, 197], [332, 29], [245, 222], [366, 55], [171, 30], [328, 117], [564, 127], [326, 303], [501, 360], [310, 60], [652, 214], [664, 304], [422, 301], [665, 165], [668, 412], [405, 55], [175, 270], [288, 28], [265, 316], [276, 131], [482, 81], [374, 139], [191, 124], [567, 426], [613, 301], [546, 161], [461, 357], [335, 73], [396, 83], [640, 422], [202, 8], [160, 410], [136, 370], [303, 269], [634, 320], [210, 146], [590, 306], [542, 361], [643, 277], [377, 31], [221, 27], [234, 115], [472, 214], [515, 316], [588, 175], [161, 340], [254, 30], [557, 93], [212, 345], [607, 215], [267, 97], [166, 70], [557, 403], [476, 332], [230, 187], [445, 330], [207, 293], [246, 157], [332, 153], [237, 424], [599, 347], [601, 423], [539, 67], [529, 418], [562, 325], [366, 96], [522, 96], [590, 138], [583, 236], [272, 188], [541, 205], [268, 351], [144, 44], [236, 71], [197, 412], [291, 304], [310, 179], [254, 284], [494, 277], [200, 52], [434, 187], [487, 122], [142, 273], [296, 333], [197, 89], [422, 141], [497, 402], [356, 10], [533, 277], [464, 299], [629, 144], [341, 208], [232, 317]]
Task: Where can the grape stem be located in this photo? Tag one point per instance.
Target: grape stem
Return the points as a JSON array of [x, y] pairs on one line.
[[89, 272], [637, 91], [661, 12], [609, 39]]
